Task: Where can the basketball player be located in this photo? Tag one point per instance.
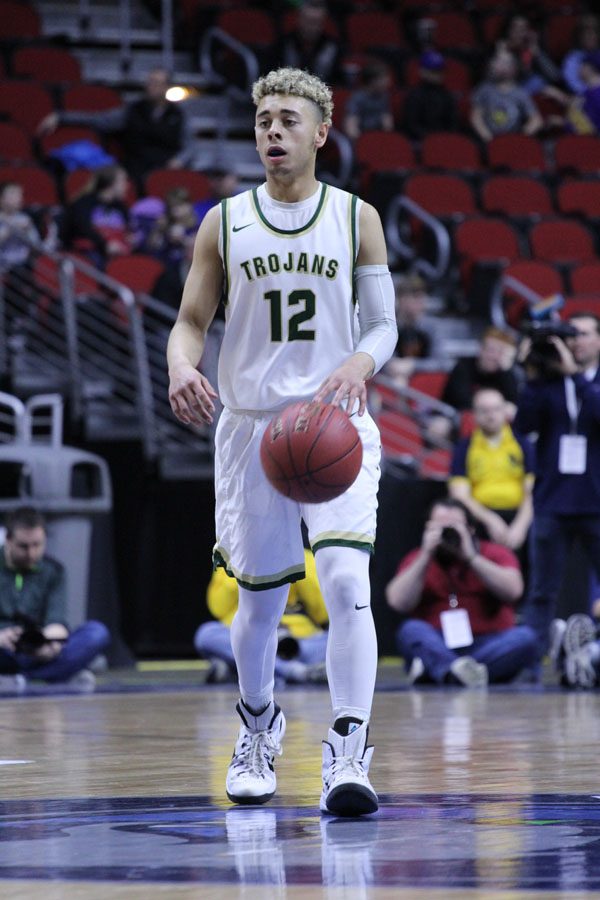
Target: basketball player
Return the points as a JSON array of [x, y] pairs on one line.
[[309, 303]]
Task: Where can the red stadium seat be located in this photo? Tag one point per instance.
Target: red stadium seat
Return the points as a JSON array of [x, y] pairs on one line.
[[400, 435], [489, 242], [366, 31], [578, 303], [18, 21], [516, 196], [383, 151], [253, 27], [448, 151], [65, 135], [49, 64], [516, 153], [560, 35], [15, 144], [138, 271], [25, 103], [454, 31], [579, 153], [77, 181], [585, 278], [160, 181], [561, 241], [38, 186], [447, 196], [538, 276], [90, 98], [580, 198], [431, 383]]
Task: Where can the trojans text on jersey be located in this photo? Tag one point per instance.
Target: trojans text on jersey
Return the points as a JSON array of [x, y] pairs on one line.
[[307, 263]]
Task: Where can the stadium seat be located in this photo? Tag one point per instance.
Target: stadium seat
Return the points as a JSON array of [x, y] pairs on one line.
[[578, 303], [431, 383], [579, 153], [18, 21], [76, 182], [90, 98], [491, 28], [489, 242], [446, 196], [516, 196], [580, 198], [457, 75], [516, 153], [585, 278], [561, 241], [366, 31], [454, 31], [383, 151], [49, 64], [449, 151], [25, 103], [252, 27], [400, 435], [65, 135], [138, 271], [540, 277], [15, 144], [38, 187], [559, 34], [160, 181]]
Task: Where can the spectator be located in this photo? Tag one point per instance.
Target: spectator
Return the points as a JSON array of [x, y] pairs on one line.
[[224, 183], [429, 106], [17, 228], [174, 230], [152, 129], [418, 333], [370, 107], [587, 40], [561, 404], [302, 635], [499, 105], [459, 594], [97, 222], [493, 367], [535, 70], [309, 47], [35, 641], [583, 110], [492, 473]]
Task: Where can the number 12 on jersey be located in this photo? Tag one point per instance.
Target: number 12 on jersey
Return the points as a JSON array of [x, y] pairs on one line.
[[294, 331]]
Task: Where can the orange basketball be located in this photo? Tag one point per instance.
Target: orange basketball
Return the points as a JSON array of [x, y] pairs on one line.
[[311, 452]]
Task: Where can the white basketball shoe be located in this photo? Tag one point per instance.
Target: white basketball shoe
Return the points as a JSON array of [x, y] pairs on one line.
[[251, 774], [347, 790]]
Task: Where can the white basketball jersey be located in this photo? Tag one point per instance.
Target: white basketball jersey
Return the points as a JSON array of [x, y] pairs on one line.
[[290, 312]]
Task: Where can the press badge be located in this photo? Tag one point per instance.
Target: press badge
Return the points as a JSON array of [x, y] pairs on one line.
[[456, 628], [572, 454]]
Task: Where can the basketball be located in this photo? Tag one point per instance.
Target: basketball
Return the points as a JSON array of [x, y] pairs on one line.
[[311, 452]]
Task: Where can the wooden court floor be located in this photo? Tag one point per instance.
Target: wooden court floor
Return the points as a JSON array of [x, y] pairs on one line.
[[489, 793]]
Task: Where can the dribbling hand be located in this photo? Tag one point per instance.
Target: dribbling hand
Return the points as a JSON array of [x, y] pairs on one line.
[[191, 396]]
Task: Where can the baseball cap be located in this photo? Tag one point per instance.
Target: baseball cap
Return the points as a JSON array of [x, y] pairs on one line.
[[432, 60]]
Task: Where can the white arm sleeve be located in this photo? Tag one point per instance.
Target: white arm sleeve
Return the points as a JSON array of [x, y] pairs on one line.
[[376, 313]]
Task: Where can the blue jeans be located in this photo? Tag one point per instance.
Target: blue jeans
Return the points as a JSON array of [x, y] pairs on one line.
[[552, 538], [79, 650], [213, 639], [505, 653]]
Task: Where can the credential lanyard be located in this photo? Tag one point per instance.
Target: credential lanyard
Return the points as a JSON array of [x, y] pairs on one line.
[[573, 404]]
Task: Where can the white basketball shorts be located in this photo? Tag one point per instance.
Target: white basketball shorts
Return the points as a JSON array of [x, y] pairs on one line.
[[259, 539]]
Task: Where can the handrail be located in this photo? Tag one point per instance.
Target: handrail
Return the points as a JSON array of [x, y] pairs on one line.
[[217, 35], [400, 204], [496, 302]]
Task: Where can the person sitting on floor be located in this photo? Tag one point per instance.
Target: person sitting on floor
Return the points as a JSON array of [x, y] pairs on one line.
[[35, 640], [302, 634], [458, 596]]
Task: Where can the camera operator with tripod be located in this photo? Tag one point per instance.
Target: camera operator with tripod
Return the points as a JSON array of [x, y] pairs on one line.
[[460, 595], [561, 403]]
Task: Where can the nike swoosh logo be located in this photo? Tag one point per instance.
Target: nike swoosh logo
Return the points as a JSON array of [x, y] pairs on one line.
[[356, 606], [241, 227]]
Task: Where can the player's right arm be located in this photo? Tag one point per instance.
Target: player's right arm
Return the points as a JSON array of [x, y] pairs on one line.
[[190, 393]]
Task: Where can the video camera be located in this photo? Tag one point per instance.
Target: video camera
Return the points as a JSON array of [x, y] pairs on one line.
[[545, 323]]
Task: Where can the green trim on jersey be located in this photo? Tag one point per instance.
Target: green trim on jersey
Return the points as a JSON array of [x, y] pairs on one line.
[[257, 582], [293, 231], [353, 244], [344, 539], [225, 239]]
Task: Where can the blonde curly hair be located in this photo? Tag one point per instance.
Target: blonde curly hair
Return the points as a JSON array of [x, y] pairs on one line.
[[296, 83]]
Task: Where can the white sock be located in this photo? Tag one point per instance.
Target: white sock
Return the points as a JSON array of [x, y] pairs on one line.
[[254, 642], [352, 646]]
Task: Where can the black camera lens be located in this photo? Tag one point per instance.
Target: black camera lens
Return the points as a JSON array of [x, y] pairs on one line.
[[450, 537]]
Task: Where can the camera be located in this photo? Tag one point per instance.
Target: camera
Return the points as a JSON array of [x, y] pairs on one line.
[[543, 356], [450, 537]]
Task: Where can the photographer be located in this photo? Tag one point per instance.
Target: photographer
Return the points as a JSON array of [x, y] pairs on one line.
[[561, 403], [460, 594]]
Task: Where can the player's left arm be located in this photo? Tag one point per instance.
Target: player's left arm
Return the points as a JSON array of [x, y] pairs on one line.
[[376, 316]]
